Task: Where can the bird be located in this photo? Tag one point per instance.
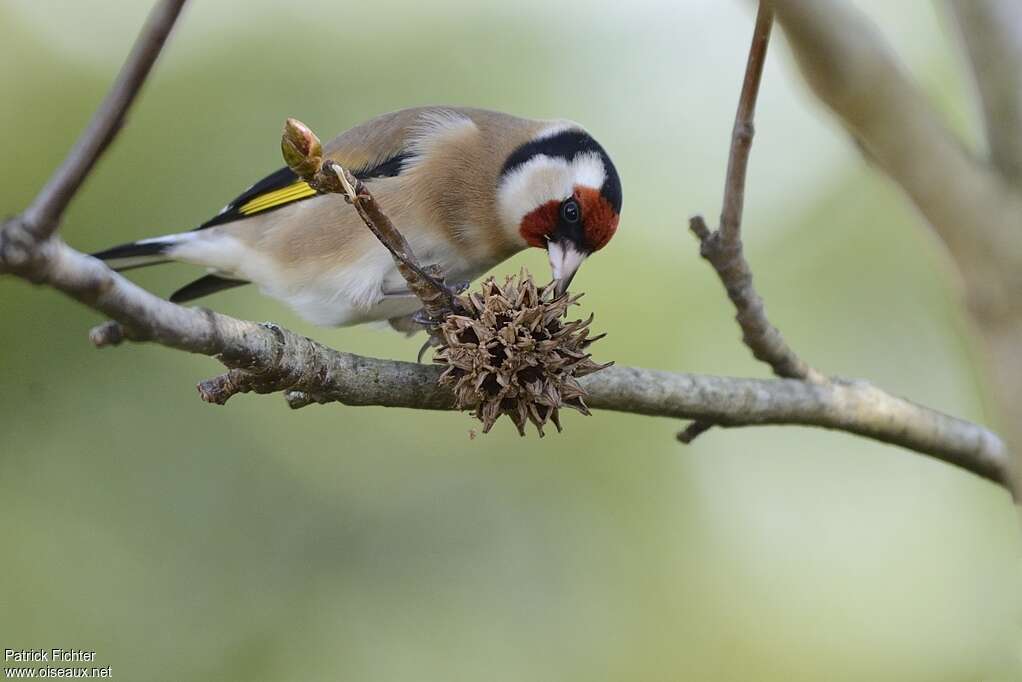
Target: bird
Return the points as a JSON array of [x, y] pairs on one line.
[[467, 187]]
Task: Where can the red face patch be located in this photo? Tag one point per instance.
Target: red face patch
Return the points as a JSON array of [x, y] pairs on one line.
[[537, 226], [598, 217]]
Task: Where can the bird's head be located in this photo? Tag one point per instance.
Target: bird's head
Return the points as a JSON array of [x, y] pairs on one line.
[[560, 192]]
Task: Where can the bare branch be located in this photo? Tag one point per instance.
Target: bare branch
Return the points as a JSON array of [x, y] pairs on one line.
[[970, 206], [743, 129], [992, 33], [852, 406], [693, 431], [41, 218], [723, 247], [265, 358], [855, 406], [975, 213]]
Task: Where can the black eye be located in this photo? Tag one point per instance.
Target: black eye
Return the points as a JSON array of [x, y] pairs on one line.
[[569, 211]]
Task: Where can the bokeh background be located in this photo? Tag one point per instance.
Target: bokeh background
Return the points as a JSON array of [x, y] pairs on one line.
[[251, 542]]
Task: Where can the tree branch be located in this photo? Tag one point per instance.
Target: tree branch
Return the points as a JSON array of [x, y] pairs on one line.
[[41, 218], [974, 211], [723, 247], [266, 358], [992, 33]]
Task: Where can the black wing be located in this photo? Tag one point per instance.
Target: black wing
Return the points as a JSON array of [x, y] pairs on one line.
[[280, 188], [283, 187]]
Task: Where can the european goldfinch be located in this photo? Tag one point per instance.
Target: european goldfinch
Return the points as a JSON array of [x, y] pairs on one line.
[[467, 187]]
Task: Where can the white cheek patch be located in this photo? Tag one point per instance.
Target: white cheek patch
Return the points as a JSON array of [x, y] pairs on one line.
[[545, 178]]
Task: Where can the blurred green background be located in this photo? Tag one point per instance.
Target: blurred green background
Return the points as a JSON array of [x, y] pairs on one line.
[[251, 542]]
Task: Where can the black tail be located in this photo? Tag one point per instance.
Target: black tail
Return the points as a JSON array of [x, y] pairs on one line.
[[204, 286], [137, 254]]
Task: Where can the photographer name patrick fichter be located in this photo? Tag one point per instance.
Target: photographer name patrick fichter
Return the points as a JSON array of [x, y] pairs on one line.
[[45, 655]]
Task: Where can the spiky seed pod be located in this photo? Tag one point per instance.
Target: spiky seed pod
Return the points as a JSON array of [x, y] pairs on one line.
[[513, 353]]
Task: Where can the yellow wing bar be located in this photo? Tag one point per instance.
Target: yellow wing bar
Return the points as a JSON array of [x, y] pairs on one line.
[[278, 197]]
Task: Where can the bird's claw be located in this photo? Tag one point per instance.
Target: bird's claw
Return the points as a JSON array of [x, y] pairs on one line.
[[429, 343], [420, 316]]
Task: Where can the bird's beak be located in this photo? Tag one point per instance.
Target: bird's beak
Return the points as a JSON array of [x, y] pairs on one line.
[[565, 260]]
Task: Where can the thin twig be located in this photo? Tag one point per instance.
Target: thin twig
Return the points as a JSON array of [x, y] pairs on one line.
[[743, 130], [430, 288], [723, 248], [303, 152], [43, 215], [693, 431]]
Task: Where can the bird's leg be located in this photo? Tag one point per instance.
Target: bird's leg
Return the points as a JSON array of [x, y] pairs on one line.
[[458, 287], [455, 288]]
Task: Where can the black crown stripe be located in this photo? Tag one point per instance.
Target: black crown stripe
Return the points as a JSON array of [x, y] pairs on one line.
[[567, 145]]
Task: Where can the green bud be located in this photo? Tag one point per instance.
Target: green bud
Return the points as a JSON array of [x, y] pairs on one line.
[[301, 149]]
